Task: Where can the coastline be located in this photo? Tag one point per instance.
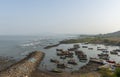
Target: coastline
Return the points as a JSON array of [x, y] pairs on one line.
[[91, 68], [113, 41], [94, 40]]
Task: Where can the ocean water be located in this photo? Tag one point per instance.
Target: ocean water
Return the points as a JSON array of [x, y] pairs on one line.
[[19, 46]]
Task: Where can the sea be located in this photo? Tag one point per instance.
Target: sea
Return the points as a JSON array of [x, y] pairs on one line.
[[17, 47]]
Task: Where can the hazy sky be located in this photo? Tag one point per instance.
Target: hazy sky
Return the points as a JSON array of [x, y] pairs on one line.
[[59, 16]]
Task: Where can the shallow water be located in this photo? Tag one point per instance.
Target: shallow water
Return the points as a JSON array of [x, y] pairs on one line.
[[19, 46], [51, 53]]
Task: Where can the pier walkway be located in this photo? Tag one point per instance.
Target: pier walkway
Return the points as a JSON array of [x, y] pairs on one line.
[[25, 67]]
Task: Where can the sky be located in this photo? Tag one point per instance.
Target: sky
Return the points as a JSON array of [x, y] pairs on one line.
[[27, 17]]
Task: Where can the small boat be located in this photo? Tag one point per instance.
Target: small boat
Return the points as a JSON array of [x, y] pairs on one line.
[[82, 58], [118, 53], [61, 65], [109, 61], [105, 51], [83, 61], [56, 70], [95, 60], [76, 46], [78, 52], [103, 54], [117, 65], [90, 48], [62, 57], [71, 49], [98, 47], [61, 53], [64, 53], [72, 61], [86, 43], [114, 52], [54, 61], [81, 55], [70, 67], [69, 56], [101, 49], [118, 50], [59, 49], [104, 57], [84, 46]]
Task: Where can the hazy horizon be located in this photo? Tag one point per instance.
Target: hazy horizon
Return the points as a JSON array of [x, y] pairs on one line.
[[34, 17]]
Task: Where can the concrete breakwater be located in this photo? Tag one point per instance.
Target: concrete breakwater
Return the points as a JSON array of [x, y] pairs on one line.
[[25, 67]]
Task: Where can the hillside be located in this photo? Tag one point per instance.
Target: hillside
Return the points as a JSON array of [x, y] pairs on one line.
[[113, 34], [107, 39]]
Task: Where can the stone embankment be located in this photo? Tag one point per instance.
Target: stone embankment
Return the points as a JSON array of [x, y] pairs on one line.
[[25, 67]]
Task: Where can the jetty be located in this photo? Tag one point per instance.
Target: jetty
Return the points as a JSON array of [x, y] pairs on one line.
[[25, 67]]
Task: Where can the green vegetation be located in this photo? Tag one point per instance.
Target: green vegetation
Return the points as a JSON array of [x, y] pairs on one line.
[[107, 39], [94, 40], [79, 40], [107, 73], [113, 34], [117, 72]]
